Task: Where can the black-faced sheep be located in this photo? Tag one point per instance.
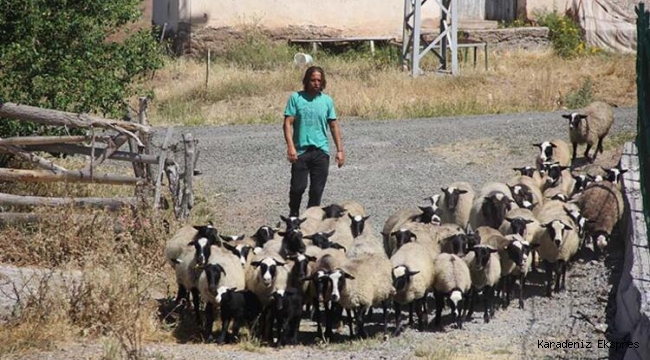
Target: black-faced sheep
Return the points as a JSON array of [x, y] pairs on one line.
[[242, 307], [491, 205], [485, 271], [452, 281], [588, 125], [601, 203], [286, 310], [553, 151], [456, 203]]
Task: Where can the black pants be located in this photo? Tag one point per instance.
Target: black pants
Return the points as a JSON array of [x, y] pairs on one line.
[[314, 163]]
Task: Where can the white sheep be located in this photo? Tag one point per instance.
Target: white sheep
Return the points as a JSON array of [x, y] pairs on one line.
[[558, 241], [413, 276], [183, 237], [362, 283], [553, 151], [601, 203], [452, 280], [428, 235], [354, 208], [491, 205], [456, 203], [394, 222], [588, 125], [485, 271]]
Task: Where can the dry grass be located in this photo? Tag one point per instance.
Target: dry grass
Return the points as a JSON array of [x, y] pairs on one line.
[[375, 88]]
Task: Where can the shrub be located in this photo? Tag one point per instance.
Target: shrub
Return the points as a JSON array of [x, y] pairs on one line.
[[566, 35]]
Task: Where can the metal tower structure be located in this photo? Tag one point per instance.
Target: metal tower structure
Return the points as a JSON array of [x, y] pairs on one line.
[[413, 41]]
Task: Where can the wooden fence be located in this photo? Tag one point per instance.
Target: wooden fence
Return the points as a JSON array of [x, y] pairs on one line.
[[103, 141]]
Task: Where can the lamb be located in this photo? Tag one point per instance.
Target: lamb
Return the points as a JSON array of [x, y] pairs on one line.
[[240, 307], [558, 242], [361, 283], [522, 222], [530, 172], [333, 211], [598, 119], [413, 275], [614, 175], [553, 151], [398, 218], [186, 235], [242, 251], [322, 240], [491, 205], [558, 176], [485, 271], [456, 203], [452, 280], [526, 192], [601, 203], [515, 262], [222, 270], [345, 229], [287, 311]]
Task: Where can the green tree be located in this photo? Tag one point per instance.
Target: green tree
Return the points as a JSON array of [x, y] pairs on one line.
[[65, 55]]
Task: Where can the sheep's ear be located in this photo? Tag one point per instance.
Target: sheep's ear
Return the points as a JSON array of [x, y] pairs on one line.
[[544, 225], [256, 263], [413, 236], [329, 234], [411, 273], [282, 233], [310, 258], [280, 263], [348, 276], [582, 116], [232, 289], [567, 227], [338, 246], [535, 245], [623, 171], [562, 168], [528, 221], [444, 189], [462, 191], [308, 237], [492, 250], [508, 219], [222, 270], [366, 217], [566, 116], [300, 221], [350, 216], [191, 243], [283, 219], [553, 145], [539, 145], [229, 247], [225, 238]]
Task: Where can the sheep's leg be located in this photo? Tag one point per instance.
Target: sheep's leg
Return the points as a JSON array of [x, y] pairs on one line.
[[587, 153], [411, 314], [421, 313], [361, 319], [329, 320], [209, 321], [533, 265], [350, 321], [384, 305], [459, 318], [563, 269], [599, 147], [488, 294], [522, 284], [548, 268], [440, 303], [508, 283], [558, 276], [196, 301], [398, 318], [235, 330], [472, 300], [225, 324], [295, 326], [575, 150], [181, 294]]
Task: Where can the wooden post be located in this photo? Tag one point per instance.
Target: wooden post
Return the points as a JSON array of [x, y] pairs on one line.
[[110, 203], [188, 197], [173, 179], [42, 163], [84, 150], [161, 168], [71, 176], [48, 140]]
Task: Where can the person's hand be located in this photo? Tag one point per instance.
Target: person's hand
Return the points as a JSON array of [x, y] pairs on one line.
[[292, 155], [340, 158]]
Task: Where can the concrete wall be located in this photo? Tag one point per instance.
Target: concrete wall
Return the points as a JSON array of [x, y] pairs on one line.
[[533, 6], [351, 17], [633, 298]]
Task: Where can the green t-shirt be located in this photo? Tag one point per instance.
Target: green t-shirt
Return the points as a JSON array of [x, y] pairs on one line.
[[311, 116]]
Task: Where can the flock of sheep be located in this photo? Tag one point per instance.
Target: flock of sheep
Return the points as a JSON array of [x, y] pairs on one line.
[[464, 246]]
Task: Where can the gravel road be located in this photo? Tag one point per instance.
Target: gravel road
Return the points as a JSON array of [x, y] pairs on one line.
[[395, 164]]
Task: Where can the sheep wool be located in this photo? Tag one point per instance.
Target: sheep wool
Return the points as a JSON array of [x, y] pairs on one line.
[[415, 257]]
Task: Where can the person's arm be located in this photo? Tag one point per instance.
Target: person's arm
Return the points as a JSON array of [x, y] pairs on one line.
[[335, 129], [292, 154]]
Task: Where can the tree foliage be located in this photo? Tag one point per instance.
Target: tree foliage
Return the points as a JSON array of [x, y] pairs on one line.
[[65, 55]]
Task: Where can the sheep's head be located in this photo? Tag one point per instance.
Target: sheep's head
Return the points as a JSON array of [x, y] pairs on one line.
[[601, 239], [292, 241], [459, 244], [580, 221], [580, 182], [267, 268], [320, 281], [213, 276], [545, 150], [264, 234], [224, 294], [614, 175], [518, 225], [357, 224], [553, 172], [525, 170], [518, 251], [494, 209], [556, 230], [428, 214], [333, 211], [292, 222], [301, 262], [434, 199], [574, 119], [320, 239], [403, 236], [482, 256], [241, 251], [338, 279], [523, 195], [276, 299], [203, 245], [402, 276], [452, 195]]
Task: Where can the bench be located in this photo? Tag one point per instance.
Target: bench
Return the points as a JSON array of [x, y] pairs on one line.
[[316, 42]]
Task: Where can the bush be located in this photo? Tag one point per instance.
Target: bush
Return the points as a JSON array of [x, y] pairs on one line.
[[566, 35], [72, 56]]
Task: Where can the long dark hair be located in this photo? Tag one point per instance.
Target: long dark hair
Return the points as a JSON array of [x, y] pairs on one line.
[[311, 70]]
